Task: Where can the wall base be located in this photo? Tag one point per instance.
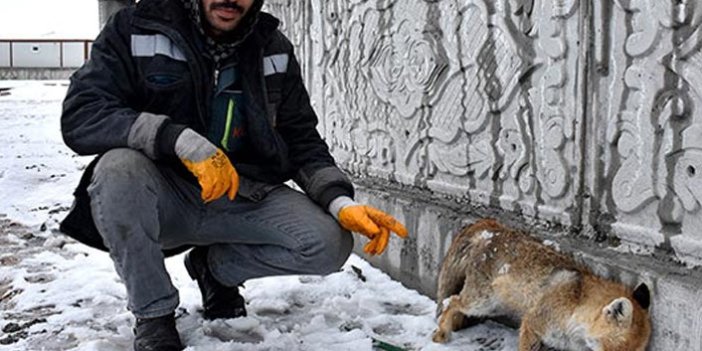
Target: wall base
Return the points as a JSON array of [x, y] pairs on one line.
[[35, 73]]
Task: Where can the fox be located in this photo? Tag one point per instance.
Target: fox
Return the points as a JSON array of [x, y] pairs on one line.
[[493, 271]]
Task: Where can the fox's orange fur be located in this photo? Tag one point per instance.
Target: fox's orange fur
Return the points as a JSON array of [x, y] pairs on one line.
[[492, 271]]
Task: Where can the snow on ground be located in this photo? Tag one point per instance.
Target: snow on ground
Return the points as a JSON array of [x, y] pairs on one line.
[[56, 294]]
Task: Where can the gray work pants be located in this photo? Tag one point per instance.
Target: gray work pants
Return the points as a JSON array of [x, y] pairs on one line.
[[140, 208]]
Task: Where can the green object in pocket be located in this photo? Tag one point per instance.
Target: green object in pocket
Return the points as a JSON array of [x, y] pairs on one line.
[[227, 127]]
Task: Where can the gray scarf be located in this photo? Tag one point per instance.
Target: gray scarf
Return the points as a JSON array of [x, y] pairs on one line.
[[219, 50]]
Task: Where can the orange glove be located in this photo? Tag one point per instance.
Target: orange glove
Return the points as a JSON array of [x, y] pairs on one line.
[[372, 223], [209, 164]]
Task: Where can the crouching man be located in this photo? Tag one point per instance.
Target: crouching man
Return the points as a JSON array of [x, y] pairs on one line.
[[198, 114]]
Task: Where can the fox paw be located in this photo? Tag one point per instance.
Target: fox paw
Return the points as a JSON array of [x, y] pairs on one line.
[[440, 336]]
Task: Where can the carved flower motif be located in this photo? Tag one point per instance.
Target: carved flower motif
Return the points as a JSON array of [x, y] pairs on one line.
[[688, 169], [404, 67]]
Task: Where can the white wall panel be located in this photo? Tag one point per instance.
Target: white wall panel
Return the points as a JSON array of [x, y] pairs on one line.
[[5, 54], [37, 55], [73, 54]]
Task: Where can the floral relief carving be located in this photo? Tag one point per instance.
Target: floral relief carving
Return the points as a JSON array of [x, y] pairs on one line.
[[686, 195], [555, 119], [636, 183], [405, 66], [632, 186], [647, 32], [688, 170], [683, 147], [370, 107], [671, 110], [486, 62], [481, 157], [290, 20], [512, 149], [448, 114], [451, 159], [404, 84], [657, 133], [515, 147], [484, 98]]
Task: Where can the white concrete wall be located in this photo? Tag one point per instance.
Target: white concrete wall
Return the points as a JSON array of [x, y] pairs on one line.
[[577, 114], [73, 54], [584, 115], [27, 54], [649, 125], [4, 54], [35, 55]]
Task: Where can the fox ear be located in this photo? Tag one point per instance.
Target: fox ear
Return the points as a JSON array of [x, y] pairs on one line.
[[620, 311], [643, 296]]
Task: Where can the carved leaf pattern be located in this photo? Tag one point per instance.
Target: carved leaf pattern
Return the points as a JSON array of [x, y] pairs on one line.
[[632, 186], [403, 90], [511, 148], [447, 115], [451, 159], [405, 67], [481, 158], [689, 166], [554, 127]]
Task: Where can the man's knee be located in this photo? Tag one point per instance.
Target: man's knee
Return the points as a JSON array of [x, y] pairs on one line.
[[118, 194], [345, 248], [123, 164], [122, 172], [335, 246]]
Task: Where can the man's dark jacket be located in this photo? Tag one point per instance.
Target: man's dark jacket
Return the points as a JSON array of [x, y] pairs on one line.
[[149, 76]]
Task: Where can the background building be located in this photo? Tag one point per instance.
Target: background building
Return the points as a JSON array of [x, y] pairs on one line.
[[51, 46]]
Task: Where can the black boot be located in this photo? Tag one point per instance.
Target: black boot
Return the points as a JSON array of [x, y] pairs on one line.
[[218, 301], [157, 334]]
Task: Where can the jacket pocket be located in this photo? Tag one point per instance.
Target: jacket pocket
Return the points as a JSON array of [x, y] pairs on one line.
[[168, 89], [162, 73], [253, 190], [159, 81]]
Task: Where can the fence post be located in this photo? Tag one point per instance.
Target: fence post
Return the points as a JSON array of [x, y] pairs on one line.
[[86, 54], [60, 54]]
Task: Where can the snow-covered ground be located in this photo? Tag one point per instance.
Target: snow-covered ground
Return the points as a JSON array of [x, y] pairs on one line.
[[56, 294]]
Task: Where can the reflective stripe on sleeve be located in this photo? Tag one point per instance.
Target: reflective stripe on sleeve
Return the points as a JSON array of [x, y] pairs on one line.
[[157, 44], [275, 64]]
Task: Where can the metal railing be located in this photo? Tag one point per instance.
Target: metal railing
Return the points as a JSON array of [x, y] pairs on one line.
[[44, 53]]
